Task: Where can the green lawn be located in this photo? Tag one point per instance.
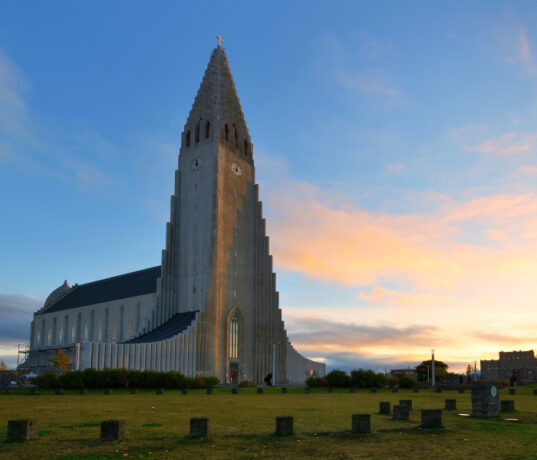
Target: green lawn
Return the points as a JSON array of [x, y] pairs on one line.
[[242, 425]]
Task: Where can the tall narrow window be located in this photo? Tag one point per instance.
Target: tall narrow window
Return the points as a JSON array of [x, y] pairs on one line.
[[207, 129], [234, 337], [236, 138], [188, 138], [197, 132], [226, 132], [246, 147]]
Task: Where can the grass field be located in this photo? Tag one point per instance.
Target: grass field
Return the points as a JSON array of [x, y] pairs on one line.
[[242, 425]]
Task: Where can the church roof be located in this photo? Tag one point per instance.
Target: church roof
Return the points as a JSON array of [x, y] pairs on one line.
[[176, 324], [118, 287], [217, 97]]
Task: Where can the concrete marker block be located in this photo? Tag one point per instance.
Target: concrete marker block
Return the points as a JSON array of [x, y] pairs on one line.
[[112, 430], [284, 426], [21, 429], [199, 426], [361, 423]]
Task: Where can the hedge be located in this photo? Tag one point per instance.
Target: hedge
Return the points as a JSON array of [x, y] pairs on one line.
[[121, 378]]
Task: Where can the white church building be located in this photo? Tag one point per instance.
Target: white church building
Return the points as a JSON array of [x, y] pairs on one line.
[[211, 308]]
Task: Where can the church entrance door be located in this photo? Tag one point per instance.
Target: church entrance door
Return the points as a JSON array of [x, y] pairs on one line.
[[234, 372]]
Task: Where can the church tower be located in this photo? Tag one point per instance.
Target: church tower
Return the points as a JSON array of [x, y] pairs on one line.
[[216, 260]]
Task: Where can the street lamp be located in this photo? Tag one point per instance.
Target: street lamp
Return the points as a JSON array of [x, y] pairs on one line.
[[432, 368]]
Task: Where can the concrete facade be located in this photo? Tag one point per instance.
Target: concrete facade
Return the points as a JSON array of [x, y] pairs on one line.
[[214, 309]]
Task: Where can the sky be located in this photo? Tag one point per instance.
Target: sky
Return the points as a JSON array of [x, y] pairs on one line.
[[395, 147]]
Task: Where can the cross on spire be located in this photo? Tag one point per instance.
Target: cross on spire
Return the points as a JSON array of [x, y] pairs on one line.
[[220, 39]]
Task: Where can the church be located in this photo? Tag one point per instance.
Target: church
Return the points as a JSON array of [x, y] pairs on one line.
[[211, 308]]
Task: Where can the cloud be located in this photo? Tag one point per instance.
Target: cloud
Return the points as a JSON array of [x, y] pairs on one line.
[[28, 146], [524, 52], [367, 78], [16, 314], [530, 170], [507, 144], [463, 265]]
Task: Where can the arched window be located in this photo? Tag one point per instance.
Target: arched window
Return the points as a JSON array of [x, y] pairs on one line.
[[246, 146], [188, 138], [226, 132], [234, 337], [207, 129], [197, 132], [236, 137]]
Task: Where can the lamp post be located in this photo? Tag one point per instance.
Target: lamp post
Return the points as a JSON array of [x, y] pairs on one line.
[[274, 363], [432, 368]]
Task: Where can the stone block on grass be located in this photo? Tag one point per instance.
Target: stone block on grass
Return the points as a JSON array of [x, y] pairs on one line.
[[373, 389], [83, 391], [361, 423], [395, 389], [184, 391], [159, 391], [58, 391], [234, 391], [461, 390], [112, 430], [199, 426], [352, 390], [431, 418], [34, 391], [485, 399], [210, 391], [438, 390], [330, 389], [21, 429], [512, 391], [307, 390], [108, 391], [400, 412], [507, 405], [259, 390], [284, 426], [406, 402], [415, 390], [451, 404], [134, 391], [284, 390], [534, 392], [384, 408]]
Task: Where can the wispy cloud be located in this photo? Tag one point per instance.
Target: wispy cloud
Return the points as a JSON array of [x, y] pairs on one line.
[[524, 52], [478, 139], [530, 170], [27, 146], [369, 78]]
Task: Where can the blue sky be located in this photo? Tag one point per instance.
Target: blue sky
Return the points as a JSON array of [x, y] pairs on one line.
[[404, 133]]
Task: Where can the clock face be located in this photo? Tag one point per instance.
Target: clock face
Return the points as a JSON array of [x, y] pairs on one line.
[[236, 169], [196, 164], [493, 391]]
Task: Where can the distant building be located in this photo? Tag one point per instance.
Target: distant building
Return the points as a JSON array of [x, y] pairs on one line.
[[404, 372], [520, 365]]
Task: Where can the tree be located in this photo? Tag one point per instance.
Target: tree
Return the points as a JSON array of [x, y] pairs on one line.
[[61, 361], [3, 366], [440, 371]]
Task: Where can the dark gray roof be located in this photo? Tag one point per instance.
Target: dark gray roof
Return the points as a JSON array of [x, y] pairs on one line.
[[176, 324], [115, 288]]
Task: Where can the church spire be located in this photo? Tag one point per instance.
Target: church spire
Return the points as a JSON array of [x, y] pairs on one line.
[[217, 109]]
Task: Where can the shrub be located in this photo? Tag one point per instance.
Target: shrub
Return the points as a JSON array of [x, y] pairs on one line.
[[121, 378], [338, 378], [406, 382]]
